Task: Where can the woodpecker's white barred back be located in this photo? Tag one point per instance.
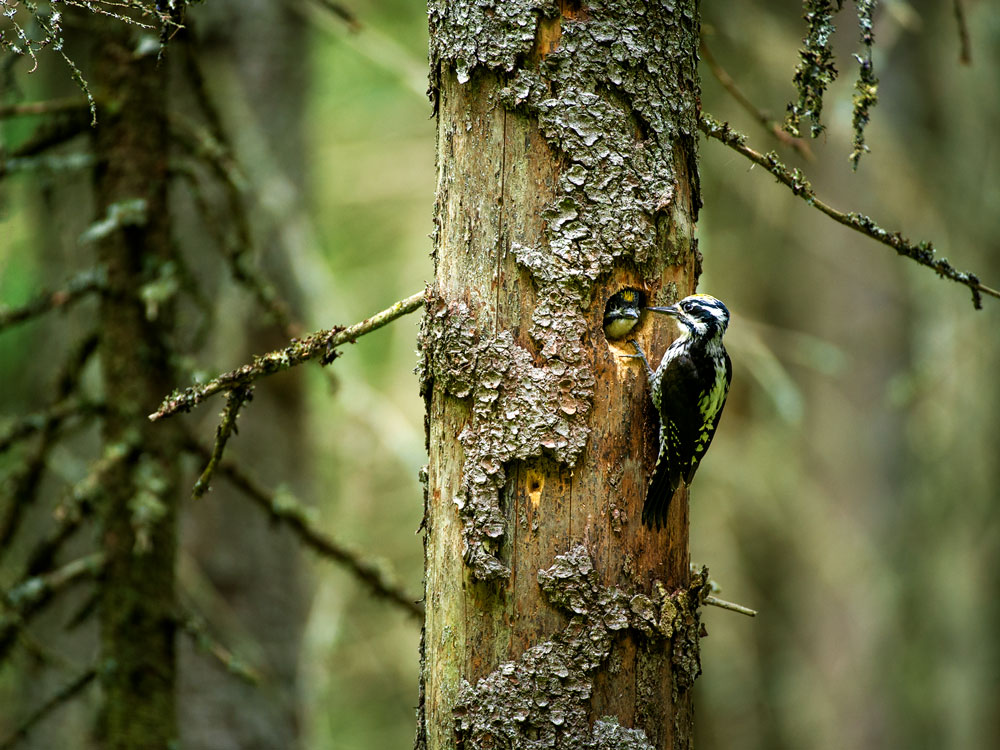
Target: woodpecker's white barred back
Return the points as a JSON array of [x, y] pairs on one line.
[[689, 389]]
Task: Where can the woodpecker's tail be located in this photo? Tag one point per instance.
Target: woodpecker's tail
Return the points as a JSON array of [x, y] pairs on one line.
[[661, 490]]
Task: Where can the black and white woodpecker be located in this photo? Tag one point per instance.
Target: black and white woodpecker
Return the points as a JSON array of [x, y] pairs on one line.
[[689, 389]]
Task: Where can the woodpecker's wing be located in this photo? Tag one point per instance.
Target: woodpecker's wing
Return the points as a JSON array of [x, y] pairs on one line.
[[689, 414], [678, 383], [716, 399]]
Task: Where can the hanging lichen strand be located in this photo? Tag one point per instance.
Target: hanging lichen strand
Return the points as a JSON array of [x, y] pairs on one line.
[[866, 87], [611, 99], [816, 69]]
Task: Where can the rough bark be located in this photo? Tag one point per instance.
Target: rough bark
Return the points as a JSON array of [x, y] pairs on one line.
[[138, 513], [566, 155]]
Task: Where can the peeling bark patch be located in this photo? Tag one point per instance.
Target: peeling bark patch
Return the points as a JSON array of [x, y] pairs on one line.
[[542, 699], [519, 411], [496, 35], [611, 99]]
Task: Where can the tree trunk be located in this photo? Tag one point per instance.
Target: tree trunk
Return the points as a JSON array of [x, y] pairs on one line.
[[566, 157], [138, 513]]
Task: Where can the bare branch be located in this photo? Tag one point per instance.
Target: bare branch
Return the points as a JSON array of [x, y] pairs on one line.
[[39, 421], [320, 345], [773, 126], [285, 508], [197, 629], [923, 253], [49, 133], [63, 696], [965, 46], [213, 150], [84, 283], [723, 604], [342, 12], [51, 106], [234, 401]]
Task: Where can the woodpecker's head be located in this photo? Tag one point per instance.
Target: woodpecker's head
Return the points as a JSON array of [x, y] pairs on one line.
[[622, 312], [700, 315]]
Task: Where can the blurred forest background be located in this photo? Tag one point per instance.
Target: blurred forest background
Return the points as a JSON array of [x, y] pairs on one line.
[[851, 495]]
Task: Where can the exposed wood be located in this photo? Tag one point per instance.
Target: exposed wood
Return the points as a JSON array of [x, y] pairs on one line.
[[499, 178]]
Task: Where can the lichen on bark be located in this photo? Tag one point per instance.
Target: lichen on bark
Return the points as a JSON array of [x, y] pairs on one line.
[[518, 410], [614, 95], [541, 700]]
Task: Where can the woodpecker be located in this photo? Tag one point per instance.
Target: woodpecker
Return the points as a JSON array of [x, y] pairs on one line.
[[622, 312], [689, 389]]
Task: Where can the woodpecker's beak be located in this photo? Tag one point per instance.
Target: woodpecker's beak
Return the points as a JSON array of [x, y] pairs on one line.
[[673, 310]]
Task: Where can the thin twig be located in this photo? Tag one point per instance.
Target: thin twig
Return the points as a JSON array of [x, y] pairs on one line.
[[923, 253], [289, 511], [48, 107], [31, 595], [52, 132], [75, 508], [723, 604], [197, 629], [31, 591], [84, 283], [342, 12], [236, 246], [63, 696], [21, 487], [321, 345], [771, 125], [227, 427], [965, 46], [30, 424]]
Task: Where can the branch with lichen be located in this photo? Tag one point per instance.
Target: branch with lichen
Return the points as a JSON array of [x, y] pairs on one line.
[[21, 487], [64, 695], [771, 125], [321, 345], [30, 424], [195, 627], [234, 400], [923, 252], [286, 509], [78, 287], [28, 597], [76, 507]]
